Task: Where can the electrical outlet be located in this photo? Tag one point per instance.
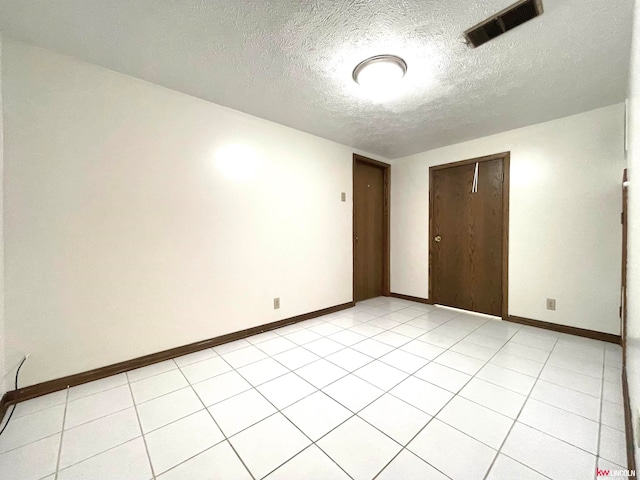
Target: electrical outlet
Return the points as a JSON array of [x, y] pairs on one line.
[[276, 303], [551, 303], [343, 196]]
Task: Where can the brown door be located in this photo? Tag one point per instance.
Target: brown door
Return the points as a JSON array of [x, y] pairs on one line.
[[467, 228], [369, 230], [623, 293]]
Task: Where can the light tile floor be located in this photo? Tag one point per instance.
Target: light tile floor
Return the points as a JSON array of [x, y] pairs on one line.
[[389, 389]]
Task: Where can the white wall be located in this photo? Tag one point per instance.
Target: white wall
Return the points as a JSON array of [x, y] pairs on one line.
[[3, 376], [564, 231], [633, 261], [124, 237]]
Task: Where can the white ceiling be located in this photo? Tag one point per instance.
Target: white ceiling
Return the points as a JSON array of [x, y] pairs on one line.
[[291, 61]]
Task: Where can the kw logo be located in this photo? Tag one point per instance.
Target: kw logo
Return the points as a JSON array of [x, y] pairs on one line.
[[615, 473]]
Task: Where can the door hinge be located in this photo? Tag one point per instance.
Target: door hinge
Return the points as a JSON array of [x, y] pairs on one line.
[[620, 310], [622, 218]]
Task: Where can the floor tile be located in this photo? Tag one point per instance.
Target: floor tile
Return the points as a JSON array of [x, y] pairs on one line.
[[151, 370], [276, 345], [407, 466], [40, 403], [323, 347], [310, 464], [326, 415], [478, 422], [98, 405], [575, 381], [32, 461], [209, 368], [168, 408], [524, 351], [195, 357], [244, 356], [367, 330], [128, 461], [612, 374], [394, 339], [471, 349], [349, 359], [262, 337], [448, 331], [607, 465], [353, 392], [545, 454], [95, 437], [408, 331], [444, 377], [591, 369], [303, 336], [262, 371], [285, 390], [361, 450], [423, 324], [571, 428], [422, 349], [460, 362], [381, 375], [452, 452], [387, 322], [231, 346], [613, 415], [325, 329], [494, 397], [220, 459], [347, 337], [479, 338], [268, 444], [345, 322], [372, 348], [519, 364], [296, 358], [534, 341], [321, 373], [567, 399], [395, 417], [242, 411], [158, 385], [196, 432], [510, 379], [97, 386], [505, 468], [29, 428], [407, 362], [613, 445], [612, 392], [422, 395], [220, 388]]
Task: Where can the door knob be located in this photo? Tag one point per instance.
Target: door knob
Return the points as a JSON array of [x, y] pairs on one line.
[[438, 238]]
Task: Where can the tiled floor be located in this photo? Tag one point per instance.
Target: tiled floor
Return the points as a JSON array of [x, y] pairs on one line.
[[389, 389]]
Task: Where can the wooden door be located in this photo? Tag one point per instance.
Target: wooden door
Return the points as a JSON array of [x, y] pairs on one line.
[[467, 230], [369, 230]]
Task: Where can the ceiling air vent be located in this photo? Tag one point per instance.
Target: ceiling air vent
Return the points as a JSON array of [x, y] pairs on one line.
[[503, 21]]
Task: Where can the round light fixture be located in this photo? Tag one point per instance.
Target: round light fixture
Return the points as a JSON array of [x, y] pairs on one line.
[[379, 72]]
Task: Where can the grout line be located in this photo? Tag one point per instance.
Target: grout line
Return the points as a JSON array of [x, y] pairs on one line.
[[64, 419], [146, 447], [316, 322], [515, 420], [226, 439]]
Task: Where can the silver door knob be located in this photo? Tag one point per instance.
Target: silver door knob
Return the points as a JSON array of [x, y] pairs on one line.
[[438, 239]]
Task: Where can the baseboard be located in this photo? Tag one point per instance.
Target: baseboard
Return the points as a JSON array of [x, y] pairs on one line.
[[411, 298], [4, 406], [51, 386], [628, 421], [580, 332]]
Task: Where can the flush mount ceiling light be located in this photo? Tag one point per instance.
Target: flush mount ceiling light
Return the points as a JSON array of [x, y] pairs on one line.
[[380, 72]]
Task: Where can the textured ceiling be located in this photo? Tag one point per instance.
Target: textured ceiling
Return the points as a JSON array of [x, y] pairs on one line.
[[291, 61]]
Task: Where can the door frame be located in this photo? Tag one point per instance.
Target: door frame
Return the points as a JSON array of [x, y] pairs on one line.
[[505, 157], [386, 218]]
